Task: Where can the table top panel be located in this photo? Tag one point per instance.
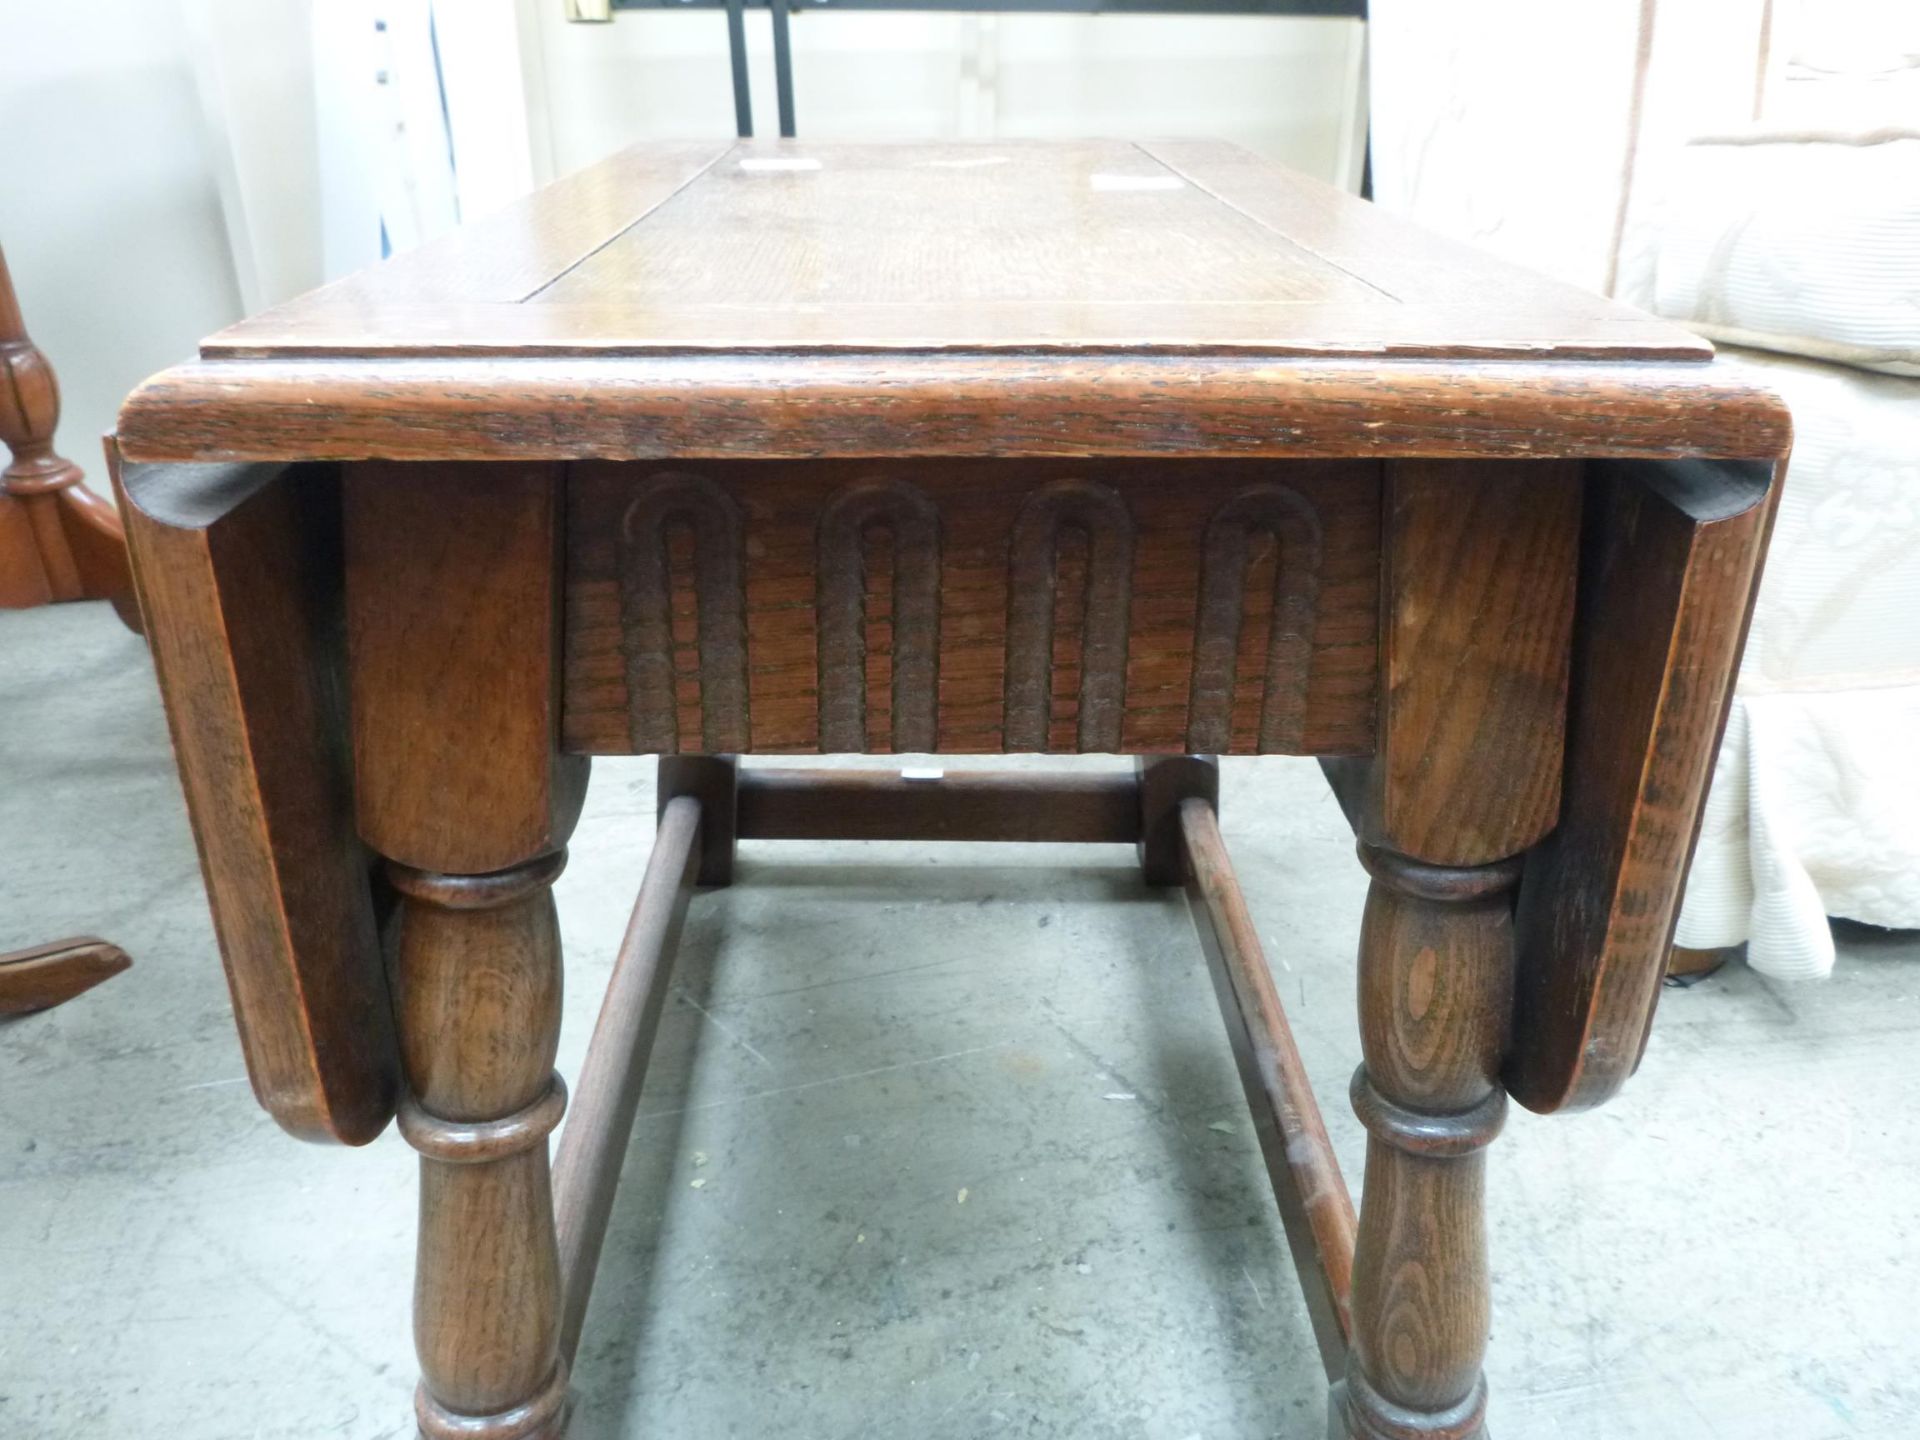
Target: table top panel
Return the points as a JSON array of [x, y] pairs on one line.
[[1088, 246], [1093, 224]]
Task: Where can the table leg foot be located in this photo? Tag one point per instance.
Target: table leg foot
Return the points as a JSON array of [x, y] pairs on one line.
[[542, 1418], [1376, 1418]]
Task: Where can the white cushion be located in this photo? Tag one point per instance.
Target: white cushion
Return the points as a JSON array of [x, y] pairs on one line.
[[1801, 242]]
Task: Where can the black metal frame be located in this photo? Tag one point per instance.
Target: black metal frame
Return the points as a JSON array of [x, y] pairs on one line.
[[781, 11]]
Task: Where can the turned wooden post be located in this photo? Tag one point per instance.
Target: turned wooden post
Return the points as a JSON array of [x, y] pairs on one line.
[[452, 630], [1476, 630], [1436, 978], [58, 540], [477, 994]]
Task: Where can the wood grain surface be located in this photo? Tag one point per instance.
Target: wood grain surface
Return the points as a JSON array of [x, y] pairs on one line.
[[1044, 625], [1476, 629], [43, 976], [453, 613], [239, 573], [1436, 974], [1315, 1207], [829, 225], [1022, 446], [713, 780], [509, 255], [453, 628], [58, 540], [593, 1146], [477, 985], [1672, 560], [779, 300], [681, 407], [996, 806], [1006, 245]]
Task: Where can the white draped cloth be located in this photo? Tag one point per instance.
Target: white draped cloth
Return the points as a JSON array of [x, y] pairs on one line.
[[1815, 806]]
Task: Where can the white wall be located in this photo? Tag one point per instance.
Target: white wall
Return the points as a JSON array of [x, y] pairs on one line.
[[109, 209], [253, 63]]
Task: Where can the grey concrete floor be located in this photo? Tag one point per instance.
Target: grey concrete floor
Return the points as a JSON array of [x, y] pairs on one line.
[[937, 1142]]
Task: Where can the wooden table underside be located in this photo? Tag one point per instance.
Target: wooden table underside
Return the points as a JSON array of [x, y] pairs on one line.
[[1230, 607], [1414, 622], [1026, 448]]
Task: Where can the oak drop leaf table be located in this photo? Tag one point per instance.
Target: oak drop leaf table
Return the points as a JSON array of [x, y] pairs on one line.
[[778, 448]]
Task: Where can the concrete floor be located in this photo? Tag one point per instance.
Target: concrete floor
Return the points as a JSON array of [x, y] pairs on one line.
[[972, 1156]]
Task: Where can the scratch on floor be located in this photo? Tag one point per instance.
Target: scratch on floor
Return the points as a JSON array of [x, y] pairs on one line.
[[712, 1020], [1101, 1065], [1251, 1285], [860, 979], [301, 1309], [752, 1095]]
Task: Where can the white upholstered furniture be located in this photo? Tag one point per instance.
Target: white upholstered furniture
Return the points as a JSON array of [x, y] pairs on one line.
[[1751, 169]]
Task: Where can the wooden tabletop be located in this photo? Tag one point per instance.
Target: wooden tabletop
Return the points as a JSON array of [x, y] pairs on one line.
[[1101, 246], [781, 299]]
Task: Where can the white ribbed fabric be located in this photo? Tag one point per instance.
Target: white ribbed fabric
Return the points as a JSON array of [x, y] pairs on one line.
[[1798, 242], [1815, 807]]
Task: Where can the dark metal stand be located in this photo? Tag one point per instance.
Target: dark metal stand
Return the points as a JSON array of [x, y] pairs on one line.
[[782, 67], [737, 50]]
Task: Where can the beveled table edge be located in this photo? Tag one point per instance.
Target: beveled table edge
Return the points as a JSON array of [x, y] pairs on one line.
[[707, 407]]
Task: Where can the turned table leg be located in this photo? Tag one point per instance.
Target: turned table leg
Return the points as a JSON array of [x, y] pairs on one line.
[[452, 637], [477, 989], [1436, 976], [1478, 608]]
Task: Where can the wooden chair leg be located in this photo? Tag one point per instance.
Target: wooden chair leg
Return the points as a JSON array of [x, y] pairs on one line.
[[49, 975], [1436, 966]]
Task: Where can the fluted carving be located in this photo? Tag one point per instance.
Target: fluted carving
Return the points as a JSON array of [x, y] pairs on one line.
[[646, 612], [1224, 601], [847, 525], [969, 607], [1098, 513]]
